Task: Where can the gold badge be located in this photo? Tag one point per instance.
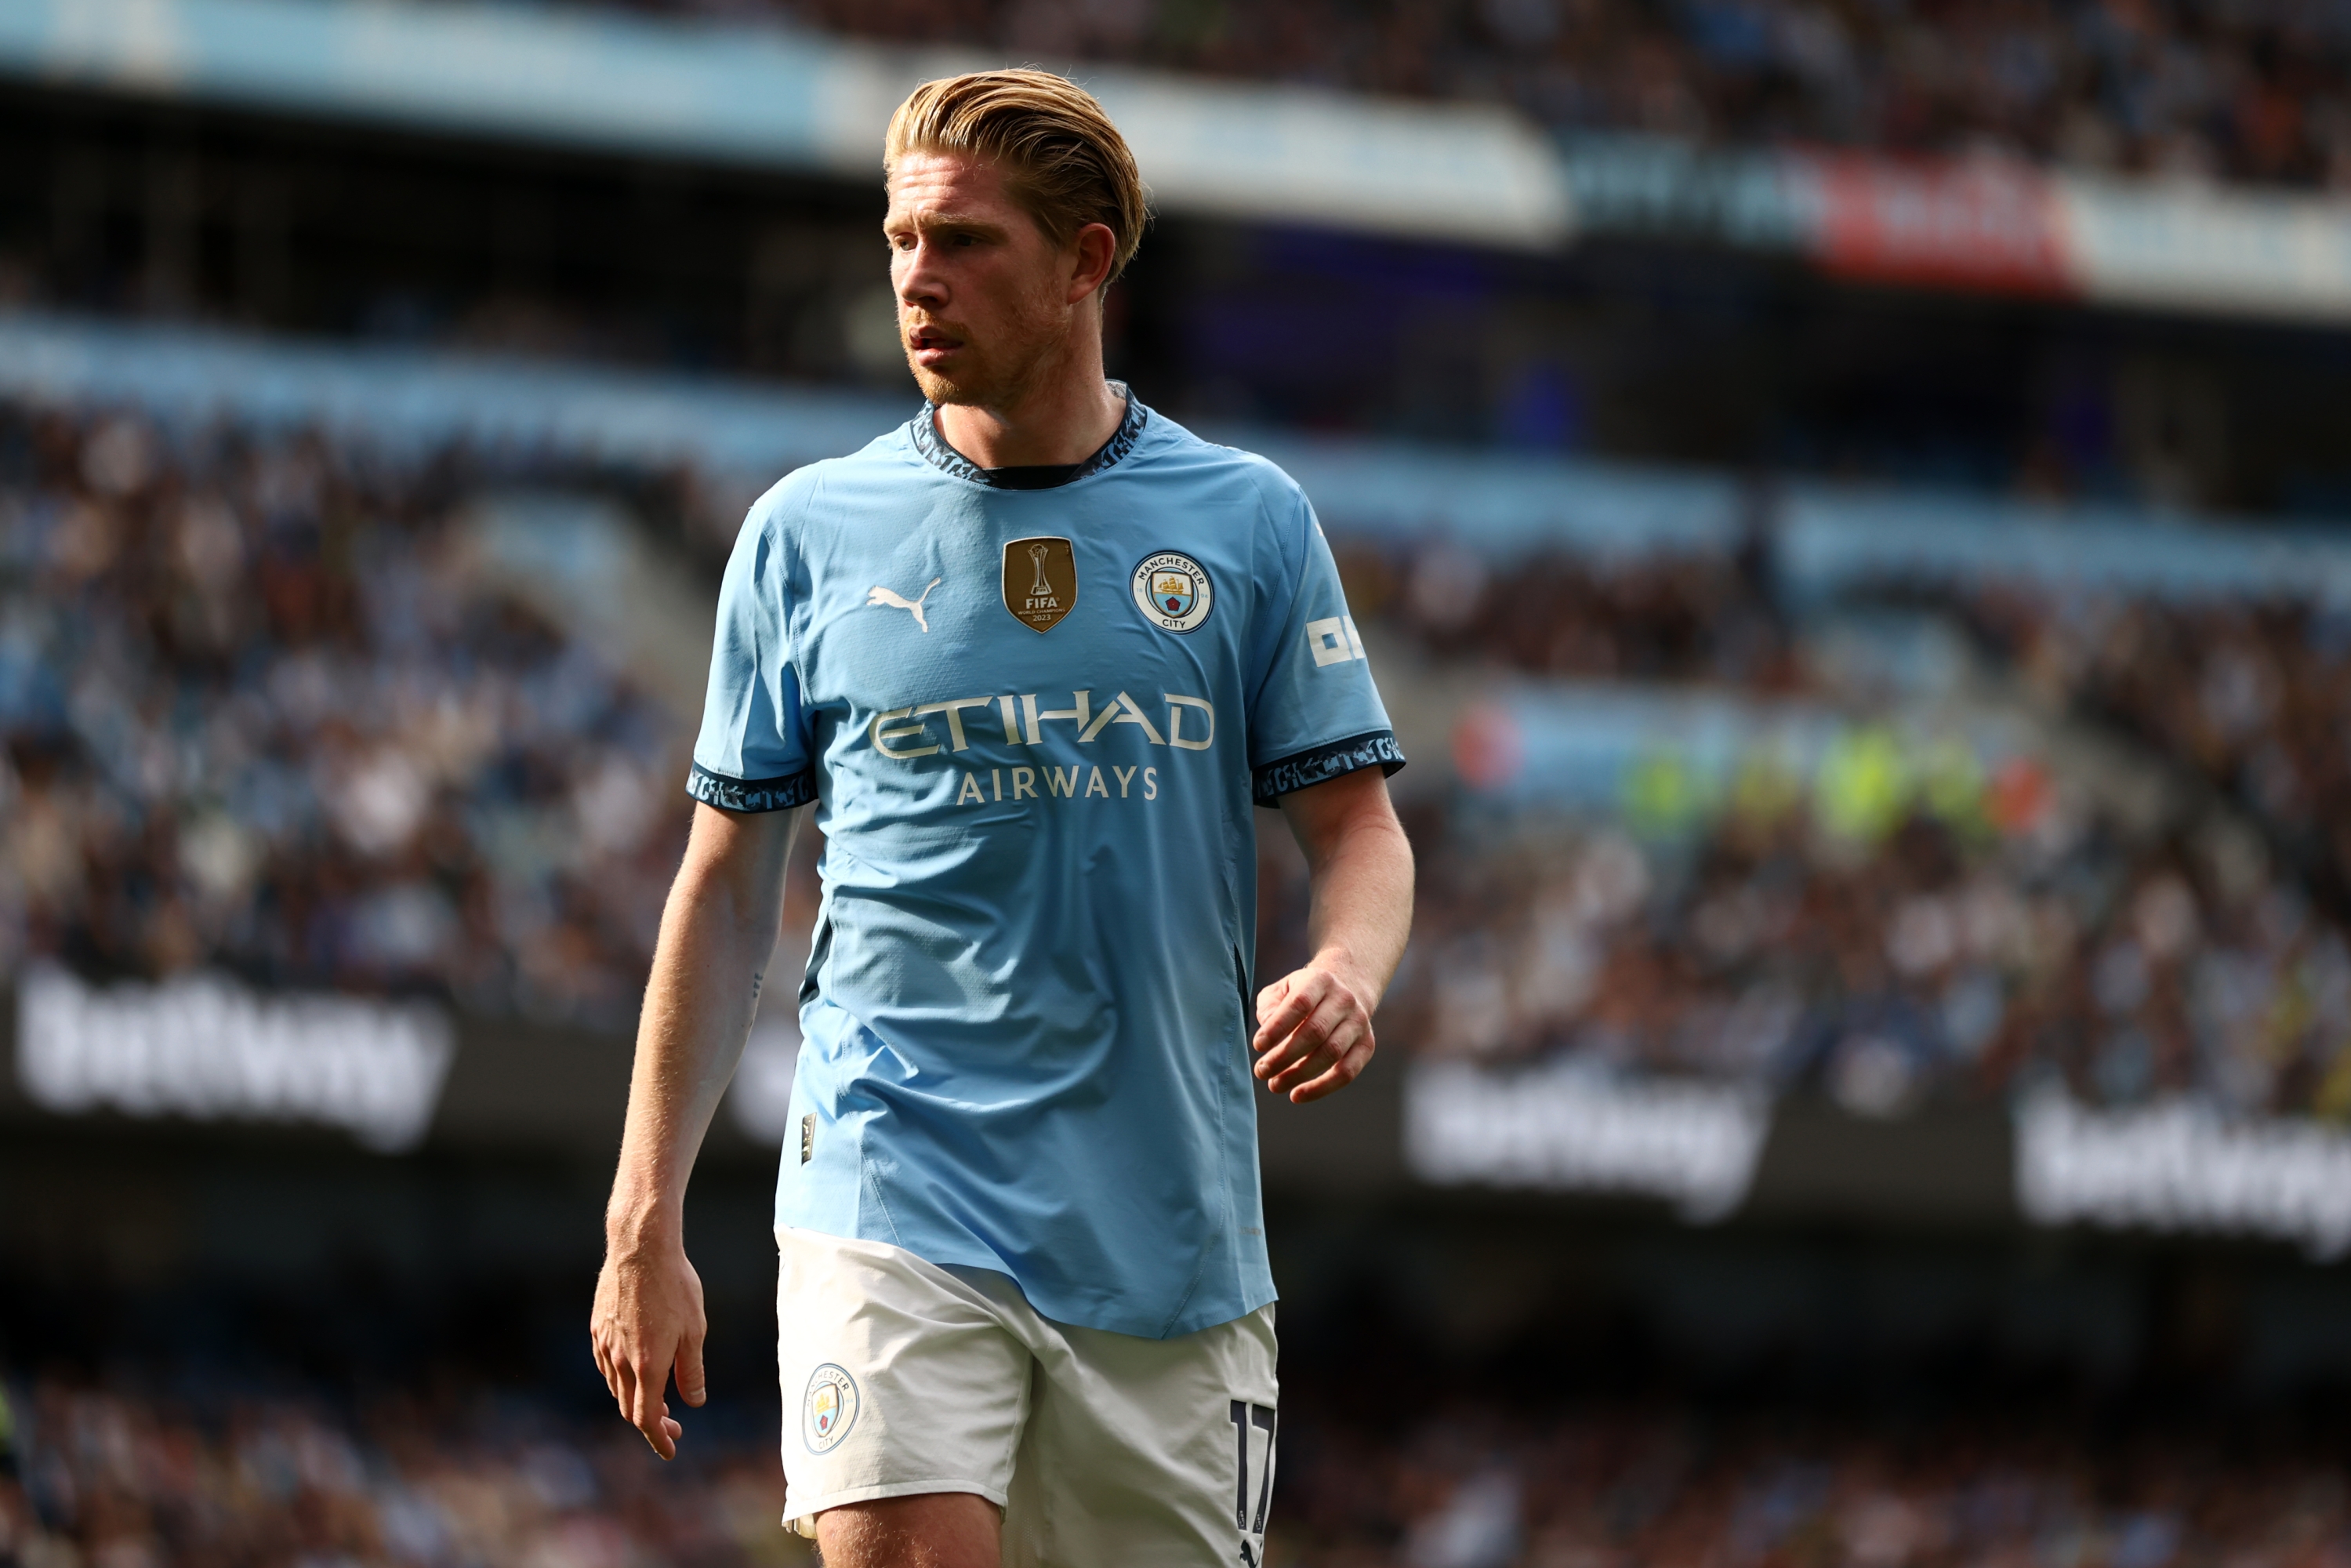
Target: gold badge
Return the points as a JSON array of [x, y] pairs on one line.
[[1040, 581]]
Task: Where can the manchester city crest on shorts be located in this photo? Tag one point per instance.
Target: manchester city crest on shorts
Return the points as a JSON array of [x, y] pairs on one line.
[[829, 1408], [1174, 591]]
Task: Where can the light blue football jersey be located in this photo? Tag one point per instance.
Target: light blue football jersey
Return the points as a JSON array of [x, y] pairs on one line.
[[1034, 722]]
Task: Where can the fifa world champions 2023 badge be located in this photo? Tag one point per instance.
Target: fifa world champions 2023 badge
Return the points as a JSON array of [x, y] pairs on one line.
[[1040, 581], [1174, 591], [829, 1408]]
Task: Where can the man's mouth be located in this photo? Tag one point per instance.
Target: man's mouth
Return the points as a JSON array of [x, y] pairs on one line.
[[928, 343]]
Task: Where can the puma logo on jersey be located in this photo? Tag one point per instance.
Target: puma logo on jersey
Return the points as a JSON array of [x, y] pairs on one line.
[[897, 601]]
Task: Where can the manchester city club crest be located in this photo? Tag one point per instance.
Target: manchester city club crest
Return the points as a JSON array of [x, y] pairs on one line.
[[829, 1408], [1174, 591]]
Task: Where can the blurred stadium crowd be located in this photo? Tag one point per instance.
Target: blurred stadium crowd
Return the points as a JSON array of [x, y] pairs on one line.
[[123, 1477], [262, 711], [2250, 89], [1478, 1484], [2148, 900], [115, 1476]]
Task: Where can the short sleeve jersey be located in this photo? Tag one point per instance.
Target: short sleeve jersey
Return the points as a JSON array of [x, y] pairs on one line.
[[1033, 723]]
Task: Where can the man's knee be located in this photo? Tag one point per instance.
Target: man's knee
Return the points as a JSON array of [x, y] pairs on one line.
[[931, 1530]]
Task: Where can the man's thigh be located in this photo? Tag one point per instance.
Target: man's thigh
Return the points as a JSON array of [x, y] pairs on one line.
[[898, 1379], [1147, 1453], [930, 1530]]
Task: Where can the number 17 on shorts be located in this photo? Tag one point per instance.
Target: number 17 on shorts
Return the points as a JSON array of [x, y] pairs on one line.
[[1253, 1431]]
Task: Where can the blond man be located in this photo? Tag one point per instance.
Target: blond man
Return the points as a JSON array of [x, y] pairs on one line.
[[1033, 657]]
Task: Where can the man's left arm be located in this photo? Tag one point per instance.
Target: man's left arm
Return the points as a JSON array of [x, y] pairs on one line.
[[1314, 1026]]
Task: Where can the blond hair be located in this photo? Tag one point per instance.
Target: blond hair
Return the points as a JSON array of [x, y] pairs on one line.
[[1064, 162]]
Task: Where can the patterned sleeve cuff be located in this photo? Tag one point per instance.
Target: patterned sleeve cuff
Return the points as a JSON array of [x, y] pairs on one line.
[[1270, 783], [751, 794]]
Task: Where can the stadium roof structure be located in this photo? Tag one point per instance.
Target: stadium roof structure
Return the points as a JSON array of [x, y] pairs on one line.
[[766, 97], [786, 99]]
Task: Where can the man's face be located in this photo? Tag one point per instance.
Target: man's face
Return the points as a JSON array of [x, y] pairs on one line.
[[983, 295]]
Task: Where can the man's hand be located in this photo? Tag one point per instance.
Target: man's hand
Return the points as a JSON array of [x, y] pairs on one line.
[[1313, 1033], [1314, 1027], [647, 1322]]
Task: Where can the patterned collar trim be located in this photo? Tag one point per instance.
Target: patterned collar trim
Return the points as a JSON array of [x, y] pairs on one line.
[[924, 429]]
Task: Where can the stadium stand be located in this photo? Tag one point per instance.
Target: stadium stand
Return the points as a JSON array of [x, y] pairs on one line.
[[155, 1471], [2177, 159], [1953, 834], [2252, 92], [459, 1474], [1941, 825], [264, 712], [2189, 88], [1483, 1486]]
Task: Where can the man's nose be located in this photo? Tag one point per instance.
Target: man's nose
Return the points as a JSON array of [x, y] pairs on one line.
[[919, 282]]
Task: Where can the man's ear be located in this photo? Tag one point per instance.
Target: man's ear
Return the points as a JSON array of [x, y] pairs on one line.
[[1095, 249]]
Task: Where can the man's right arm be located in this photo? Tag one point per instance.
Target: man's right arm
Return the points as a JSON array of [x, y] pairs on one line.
[[716, 935]]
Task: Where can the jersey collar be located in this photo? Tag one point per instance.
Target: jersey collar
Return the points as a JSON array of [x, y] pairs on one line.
[[924, 429]]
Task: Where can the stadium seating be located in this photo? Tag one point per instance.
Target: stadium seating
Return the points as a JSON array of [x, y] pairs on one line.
[[266, 711], [2252, 92], [202, 1469], [1968, 833], [147, 1471], [1892, 833]]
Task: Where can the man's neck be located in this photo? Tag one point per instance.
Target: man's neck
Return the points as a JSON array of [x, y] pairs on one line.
[[1062, 418]]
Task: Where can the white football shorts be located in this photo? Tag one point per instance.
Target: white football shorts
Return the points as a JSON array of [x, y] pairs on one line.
[[901, 1377]]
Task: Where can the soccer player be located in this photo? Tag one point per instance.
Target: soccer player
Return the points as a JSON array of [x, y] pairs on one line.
[[1033, 657]]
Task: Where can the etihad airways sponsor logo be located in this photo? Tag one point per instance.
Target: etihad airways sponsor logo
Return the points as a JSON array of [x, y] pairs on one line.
[[1186, 723], [1078, 783]]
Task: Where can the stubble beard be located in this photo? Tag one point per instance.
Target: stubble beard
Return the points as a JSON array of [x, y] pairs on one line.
[[1002, 375]]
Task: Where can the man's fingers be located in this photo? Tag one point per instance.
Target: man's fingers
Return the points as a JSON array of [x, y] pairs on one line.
[[1314, 1035], [688, 1368], [648, 1324], [1341, 1072], [645, 1404], [1296, 1014], [663, 1437], [1296, 1005], [1327, 1052], [1322, 1042], [663, 1433], [1320, 1029], [624, 1388], [649, 1412], [1270, 997]]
